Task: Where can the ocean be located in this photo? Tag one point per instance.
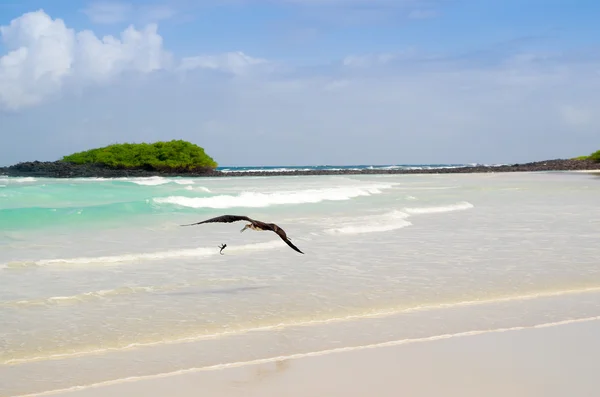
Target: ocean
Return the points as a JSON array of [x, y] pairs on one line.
[[98, 281]]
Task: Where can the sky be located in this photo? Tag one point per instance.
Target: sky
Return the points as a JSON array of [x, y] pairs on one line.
[[303, 82]]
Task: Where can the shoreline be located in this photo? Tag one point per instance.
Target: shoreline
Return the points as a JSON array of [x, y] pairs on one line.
[[490, 354], [59, 169]]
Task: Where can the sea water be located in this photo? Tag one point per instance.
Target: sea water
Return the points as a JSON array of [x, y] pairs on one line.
[[99, 282]]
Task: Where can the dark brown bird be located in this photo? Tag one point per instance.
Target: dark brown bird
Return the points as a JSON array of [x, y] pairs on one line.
[[254, 225]]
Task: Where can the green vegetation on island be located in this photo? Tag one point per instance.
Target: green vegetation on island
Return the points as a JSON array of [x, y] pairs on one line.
[[594, 157], [175, 154]]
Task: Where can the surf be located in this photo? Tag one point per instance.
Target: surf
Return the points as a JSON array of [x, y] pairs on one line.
[[248, 199]]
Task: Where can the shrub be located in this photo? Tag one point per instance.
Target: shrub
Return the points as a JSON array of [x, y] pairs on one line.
[[175, 154]]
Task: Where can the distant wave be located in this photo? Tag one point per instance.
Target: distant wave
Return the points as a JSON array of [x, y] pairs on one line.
[[141, 181], [379, 223], [391, 220], [255, 169], [350, 167], [157, 180], [198, 188], [78, 298], [145, 256], [8, 180], [221, 284], [464, 205], [255, 200]]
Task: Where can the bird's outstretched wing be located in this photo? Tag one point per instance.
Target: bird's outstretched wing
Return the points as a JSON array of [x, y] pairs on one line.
[[281, 233], [223, 219]]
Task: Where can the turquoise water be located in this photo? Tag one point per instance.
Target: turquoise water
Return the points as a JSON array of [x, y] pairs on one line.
[[98, 281], [30, 203], [39, 203]]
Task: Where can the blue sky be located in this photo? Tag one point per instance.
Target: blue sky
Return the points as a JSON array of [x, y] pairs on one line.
[[273, 82]]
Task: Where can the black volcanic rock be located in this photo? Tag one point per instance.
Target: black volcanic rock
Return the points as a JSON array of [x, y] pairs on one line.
[[60, 169]]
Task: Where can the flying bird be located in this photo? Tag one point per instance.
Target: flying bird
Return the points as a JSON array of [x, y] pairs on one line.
[[254, 225], [222, 247]]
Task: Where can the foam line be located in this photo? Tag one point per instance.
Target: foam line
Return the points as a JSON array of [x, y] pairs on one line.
[[260, 200], [374, 314], [311, 354]]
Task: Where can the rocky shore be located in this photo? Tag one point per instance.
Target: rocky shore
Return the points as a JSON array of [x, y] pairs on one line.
[[59, 169]]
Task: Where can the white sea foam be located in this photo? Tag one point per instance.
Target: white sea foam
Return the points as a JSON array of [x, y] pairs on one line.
[[146, 256], [28, 179], [283, 169], [380, 223], [120, 291], [198, 188], [255, 200], [461, 206], [317, 353], [331, 320], [141, 181], [158, 180], [73, 299]]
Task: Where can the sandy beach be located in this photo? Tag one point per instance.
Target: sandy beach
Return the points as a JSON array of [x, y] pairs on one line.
[[553, 360], [420, 285]]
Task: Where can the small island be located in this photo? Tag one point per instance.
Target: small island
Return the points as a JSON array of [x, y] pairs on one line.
[[181, 158], [172, 158]]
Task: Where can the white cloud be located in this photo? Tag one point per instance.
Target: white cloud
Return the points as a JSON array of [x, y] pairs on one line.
[[400, 107], [158, 12], [236, 63], [108, 12], [45, 54], [368, 60]]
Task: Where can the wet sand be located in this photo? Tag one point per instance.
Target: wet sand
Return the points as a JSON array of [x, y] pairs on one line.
[[551, 361]]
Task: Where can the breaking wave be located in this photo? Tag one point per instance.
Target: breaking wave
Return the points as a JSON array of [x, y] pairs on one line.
[[7, 180], [255, 200], [392, 220], [380, 223], [158, 180], [211, 285], [461, 206], [142, 257]]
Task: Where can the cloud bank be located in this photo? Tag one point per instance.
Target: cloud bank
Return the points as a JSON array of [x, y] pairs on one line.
[[63, 90]]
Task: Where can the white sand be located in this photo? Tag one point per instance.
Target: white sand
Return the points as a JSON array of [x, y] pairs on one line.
[[551, 361]]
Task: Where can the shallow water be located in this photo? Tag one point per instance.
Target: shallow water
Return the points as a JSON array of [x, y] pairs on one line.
[[93, 266]]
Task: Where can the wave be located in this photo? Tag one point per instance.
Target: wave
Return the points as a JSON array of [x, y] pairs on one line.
[[8, 180], [346, 167], [373, 313], [259, 169], [142, 256], [255, 200], [157, 180], [379, 223], [392, 220], [198, 188], [317, 353], [72, 299], [129, 290], [141, 181], [461, 206]]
